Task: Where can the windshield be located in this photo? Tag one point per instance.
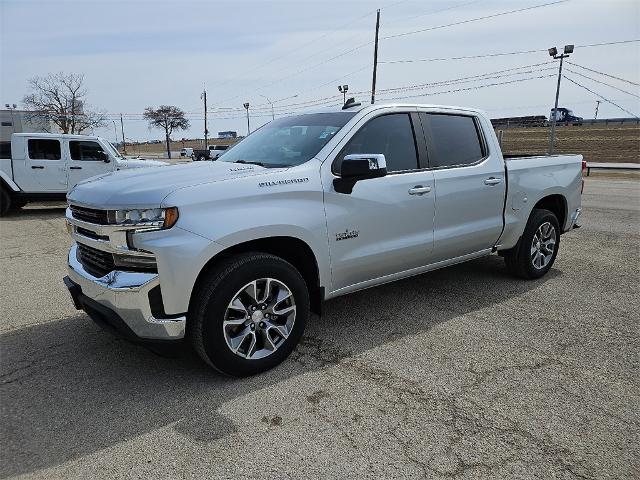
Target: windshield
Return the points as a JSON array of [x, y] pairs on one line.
[[289, 141], [112, 149]]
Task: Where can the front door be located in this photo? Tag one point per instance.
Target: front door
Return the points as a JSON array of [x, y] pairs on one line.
[[385, 225], [87, 159]]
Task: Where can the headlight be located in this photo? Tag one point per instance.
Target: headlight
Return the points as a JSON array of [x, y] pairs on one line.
[[151, 217]]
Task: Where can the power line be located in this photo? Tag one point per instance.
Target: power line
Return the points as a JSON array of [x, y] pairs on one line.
[[499, 54], [602, 83], [470, 20], [603, 98], [605, 74], [473, 87]]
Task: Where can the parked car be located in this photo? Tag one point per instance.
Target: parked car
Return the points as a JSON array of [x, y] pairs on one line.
[[43, 166], [186, 152], [211, 153], [564, 115], [235, 254]]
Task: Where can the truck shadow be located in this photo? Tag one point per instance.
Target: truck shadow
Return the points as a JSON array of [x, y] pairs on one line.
[[35, 213], [70, 389]]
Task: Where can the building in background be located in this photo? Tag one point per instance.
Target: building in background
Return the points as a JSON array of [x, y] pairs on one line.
[[228, 134], [22, 121]]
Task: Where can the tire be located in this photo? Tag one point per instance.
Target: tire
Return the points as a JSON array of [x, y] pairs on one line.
[[216, 327], [537, 249], [202, 158], [5, 202]]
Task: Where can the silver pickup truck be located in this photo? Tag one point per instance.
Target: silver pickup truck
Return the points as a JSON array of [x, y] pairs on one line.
[[235, 254]]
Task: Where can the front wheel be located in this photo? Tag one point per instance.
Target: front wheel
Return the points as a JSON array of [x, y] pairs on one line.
[[249, 314], [5, 202], [537, 249]]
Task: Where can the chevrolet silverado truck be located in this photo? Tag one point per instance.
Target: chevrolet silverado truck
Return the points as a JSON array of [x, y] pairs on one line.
[[233, 255], [43, 166]]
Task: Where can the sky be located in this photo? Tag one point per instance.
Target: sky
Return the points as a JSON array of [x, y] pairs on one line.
[[140, 53]]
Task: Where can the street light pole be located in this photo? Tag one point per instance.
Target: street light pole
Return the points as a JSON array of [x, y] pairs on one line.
[[115, 130], [13, 121], [343, 89], [568, 49], [246, 106]]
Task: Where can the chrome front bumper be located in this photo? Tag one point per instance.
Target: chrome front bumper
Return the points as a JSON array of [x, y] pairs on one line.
[[126, 294]]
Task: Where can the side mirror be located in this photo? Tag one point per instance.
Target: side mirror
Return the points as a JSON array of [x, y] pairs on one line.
[[356, 167], [104, 157]]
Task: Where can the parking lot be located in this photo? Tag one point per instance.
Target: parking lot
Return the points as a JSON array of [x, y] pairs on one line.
[[461, 373]]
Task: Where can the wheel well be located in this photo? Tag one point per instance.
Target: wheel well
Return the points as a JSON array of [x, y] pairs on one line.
[[291, 249], [556, 204]]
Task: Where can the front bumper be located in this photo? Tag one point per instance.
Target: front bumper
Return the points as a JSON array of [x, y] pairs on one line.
[[122, 301]]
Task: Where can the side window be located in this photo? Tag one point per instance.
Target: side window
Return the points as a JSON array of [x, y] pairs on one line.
[[88, 151], [454, 140], [41, 149], [391, 135], [5, 150]]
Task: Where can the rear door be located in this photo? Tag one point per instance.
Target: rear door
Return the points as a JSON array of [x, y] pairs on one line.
[[469, 185], [44, 168], [87, 159]]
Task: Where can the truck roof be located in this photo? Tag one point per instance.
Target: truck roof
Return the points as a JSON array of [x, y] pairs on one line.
[[365, 106], [57, 135]]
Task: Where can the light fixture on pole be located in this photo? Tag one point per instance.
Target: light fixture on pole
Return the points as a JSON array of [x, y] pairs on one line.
[[343, 89], [11, 108], [553, 52], [246, 106]]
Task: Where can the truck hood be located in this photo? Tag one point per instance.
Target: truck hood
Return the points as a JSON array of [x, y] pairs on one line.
[[124, 163], [147, 187]]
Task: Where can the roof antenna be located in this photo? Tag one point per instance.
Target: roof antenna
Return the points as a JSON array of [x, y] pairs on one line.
[[351, 102]]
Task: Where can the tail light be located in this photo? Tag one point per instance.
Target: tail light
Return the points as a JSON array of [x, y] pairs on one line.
[[584, 165], [584, 169]]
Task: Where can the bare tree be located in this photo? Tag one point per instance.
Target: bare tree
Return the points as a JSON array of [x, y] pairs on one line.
[[61, 98], [169, 118]]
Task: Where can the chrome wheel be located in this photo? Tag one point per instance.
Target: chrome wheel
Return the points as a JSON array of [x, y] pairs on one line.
[[543, 245], [259, 318]]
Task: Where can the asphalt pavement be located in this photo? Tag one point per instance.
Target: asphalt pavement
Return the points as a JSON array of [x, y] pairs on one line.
[[461, 373]]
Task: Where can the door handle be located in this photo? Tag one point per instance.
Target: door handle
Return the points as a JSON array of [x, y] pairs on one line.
[[37, 166], [75, 168], [419, 190], [492, 181]]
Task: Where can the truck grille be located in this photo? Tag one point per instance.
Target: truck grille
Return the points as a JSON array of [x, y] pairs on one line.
[[96, 262], [90, 215]]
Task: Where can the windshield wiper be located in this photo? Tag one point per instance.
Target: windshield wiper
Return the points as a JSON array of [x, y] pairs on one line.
[[250, 162]]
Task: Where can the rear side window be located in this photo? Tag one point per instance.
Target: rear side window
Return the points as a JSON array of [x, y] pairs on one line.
[[5, 150], [453, 140], [88, 151], [44, 149], [391, 135]]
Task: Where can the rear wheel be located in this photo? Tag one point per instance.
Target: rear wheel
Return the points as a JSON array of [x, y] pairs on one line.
[[249, 314], [537, 249], [5, 202]]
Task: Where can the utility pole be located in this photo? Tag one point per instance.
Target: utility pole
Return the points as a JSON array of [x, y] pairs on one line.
[[115, 130], [568, 49], [595, 117], [124, 143], [273, 115], [246, 106], [206, 132], [375, 60]]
